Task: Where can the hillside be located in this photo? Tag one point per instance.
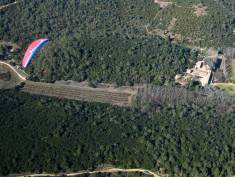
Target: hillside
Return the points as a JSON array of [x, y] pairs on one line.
[[203, 23], [191, 140], [101, 41], [155, 125], [126, 18], [117, 41]]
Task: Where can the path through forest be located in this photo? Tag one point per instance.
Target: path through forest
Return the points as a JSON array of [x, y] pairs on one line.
[[10, 4], [105, 170], [22, 75]]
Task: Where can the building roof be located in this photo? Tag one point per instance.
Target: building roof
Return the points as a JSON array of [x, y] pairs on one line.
[[201, 71]]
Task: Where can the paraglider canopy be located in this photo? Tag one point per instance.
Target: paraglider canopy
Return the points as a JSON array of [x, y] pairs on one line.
[[31, 51]]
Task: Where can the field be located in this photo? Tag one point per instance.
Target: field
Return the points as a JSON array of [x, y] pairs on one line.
[[103, 95], [226, 87]]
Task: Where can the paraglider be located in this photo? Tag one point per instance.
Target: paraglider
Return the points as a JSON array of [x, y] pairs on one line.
[[31, 51]]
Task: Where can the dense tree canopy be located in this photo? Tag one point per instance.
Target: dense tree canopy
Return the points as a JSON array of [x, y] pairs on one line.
[[107, 41], [100, 41], [4, 2], [214, 29], [112, 59], [43, 134], [95, 18]]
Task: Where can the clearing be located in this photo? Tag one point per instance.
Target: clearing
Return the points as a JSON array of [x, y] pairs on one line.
[[166, 34], [16, 70], [10, 44], [104, 93], [13, 79], [200, 10], [114, 96], [172, 24], [226, 87], [163, 4]]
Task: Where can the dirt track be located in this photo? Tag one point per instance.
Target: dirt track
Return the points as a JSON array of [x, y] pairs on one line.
[[8, 5], [108, 170], [19, 73]]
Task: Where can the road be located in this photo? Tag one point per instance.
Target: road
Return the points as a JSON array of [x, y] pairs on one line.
[[107, 170]]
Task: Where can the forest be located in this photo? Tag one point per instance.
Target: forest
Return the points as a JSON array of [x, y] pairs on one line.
[[4, 2], [41, 134], [92, 47], [214, 29], [106, 41], [97, 18], [113, 60]]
